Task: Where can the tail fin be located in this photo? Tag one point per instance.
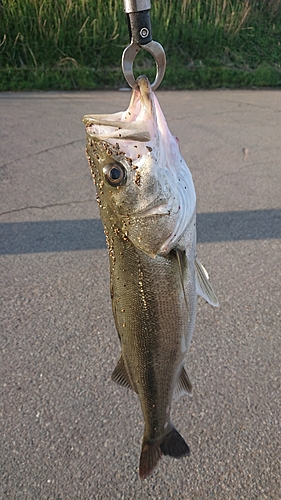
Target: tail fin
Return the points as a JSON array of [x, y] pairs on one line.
[[173, 445], [150, 454]]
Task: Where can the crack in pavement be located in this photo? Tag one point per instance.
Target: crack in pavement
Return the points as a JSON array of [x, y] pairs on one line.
[[40, 152], [46, 206]]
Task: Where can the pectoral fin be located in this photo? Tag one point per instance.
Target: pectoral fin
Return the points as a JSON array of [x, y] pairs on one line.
[[183, 263], [203, 287], [120, 375], [183, 386]]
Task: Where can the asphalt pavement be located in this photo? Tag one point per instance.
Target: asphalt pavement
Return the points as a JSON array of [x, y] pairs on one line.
[[67, 431]]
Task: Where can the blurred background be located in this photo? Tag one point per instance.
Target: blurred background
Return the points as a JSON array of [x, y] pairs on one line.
[[67, 44]]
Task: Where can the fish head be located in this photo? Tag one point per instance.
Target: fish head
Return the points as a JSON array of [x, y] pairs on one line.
[[144, 187]]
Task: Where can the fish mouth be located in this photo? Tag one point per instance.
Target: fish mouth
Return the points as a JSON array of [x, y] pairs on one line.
[[154, 210], [135, 124], [142, 95]]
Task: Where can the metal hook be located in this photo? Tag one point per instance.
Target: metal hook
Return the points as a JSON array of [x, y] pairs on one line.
[[128, 57]]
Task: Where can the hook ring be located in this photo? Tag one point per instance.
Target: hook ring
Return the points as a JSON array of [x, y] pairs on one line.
[[129, 55]]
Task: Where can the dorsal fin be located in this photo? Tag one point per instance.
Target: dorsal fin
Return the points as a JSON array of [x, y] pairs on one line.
[[203, 287], [183, 387], [120, 375]]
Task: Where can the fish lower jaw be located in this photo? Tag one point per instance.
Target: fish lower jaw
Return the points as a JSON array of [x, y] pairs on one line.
[[156, 210]]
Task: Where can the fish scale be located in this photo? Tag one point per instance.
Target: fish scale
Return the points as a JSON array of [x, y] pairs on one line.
[[149, 292], [147, 202]]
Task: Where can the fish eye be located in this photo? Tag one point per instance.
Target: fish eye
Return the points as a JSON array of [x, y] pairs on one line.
[[115, 174]]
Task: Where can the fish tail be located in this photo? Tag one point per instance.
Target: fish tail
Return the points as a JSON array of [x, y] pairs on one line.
[[150, 454], [172, 444]]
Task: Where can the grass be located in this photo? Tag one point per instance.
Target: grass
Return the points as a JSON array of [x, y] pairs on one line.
[[67, 44]]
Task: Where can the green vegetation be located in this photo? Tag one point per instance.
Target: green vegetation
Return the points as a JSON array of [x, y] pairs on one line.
[[78, 44]]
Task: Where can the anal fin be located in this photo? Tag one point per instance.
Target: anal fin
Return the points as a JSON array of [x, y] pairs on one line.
[[184, 386], [120, 375]]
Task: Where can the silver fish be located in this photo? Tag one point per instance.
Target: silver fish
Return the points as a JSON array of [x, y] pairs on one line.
[[147, 204]]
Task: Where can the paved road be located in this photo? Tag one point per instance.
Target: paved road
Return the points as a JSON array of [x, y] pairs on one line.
[[70, 433]]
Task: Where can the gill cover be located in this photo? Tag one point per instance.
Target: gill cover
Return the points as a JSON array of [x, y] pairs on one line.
[[159, 181]]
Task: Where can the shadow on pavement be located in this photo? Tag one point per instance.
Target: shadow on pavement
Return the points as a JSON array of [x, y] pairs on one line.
[[87, 234]]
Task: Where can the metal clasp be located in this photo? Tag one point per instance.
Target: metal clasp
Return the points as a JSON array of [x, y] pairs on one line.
[[138, 12], [128, 57]]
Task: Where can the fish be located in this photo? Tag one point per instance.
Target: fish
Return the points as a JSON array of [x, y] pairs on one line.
[[147, 204]]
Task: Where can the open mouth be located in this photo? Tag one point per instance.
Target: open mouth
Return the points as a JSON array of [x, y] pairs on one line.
[[132, 124]]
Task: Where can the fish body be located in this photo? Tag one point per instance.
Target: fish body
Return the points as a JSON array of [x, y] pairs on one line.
[[147, 205]]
